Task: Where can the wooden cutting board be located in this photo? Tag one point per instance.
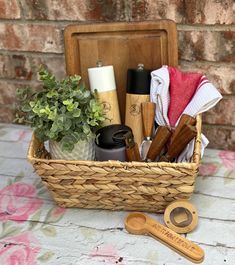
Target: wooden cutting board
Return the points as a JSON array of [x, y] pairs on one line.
[[123, 45]]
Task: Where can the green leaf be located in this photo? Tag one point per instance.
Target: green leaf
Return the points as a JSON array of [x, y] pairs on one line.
[[35, 218], [19, 178], [42, 191], [67, 124], [68, 102], [67, 145], [55, 214], [10, 231], [52, 115], [46, 256], [9, 182], [49, 231], [76, 113], [86, 129], [59, 108], [52, 93], [26, 108]]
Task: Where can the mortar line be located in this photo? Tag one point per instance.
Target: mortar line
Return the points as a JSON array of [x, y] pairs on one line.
[[228, 96], [205, 27], [205, 62], [45, 22], [64, 22], [221, 126], [21, 81], [32, 53]]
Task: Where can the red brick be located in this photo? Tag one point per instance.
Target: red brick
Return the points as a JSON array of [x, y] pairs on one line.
[[9, 9], [25, 66], [220, 137], [113, 10], [222, 113], [8, 92], [138, 10], [30, 37], [210, 12], [77, 10], [192, 11], [35, 9], [6, 114], [164, 9], [207, 45], [220, 75]]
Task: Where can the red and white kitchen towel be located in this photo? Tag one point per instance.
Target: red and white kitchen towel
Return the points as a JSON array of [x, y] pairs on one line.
[[177, 93]]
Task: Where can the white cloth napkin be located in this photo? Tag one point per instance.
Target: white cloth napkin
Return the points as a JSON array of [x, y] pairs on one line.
[[205, 97], [159, 94]]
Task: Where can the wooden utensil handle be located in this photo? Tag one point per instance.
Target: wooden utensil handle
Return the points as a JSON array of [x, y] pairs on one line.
[[160, 139], [187, 133], [175, 241], [185, 119], [148, 113], [133, 153]]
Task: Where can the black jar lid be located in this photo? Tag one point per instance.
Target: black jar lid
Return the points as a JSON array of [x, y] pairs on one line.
[[138, 80], [105, 139]]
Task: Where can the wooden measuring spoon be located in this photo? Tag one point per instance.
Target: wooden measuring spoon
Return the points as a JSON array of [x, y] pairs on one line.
[[140, 224]]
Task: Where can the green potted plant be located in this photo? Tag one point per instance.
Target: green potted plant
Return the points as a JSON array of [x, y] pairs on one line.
[[63, 112]]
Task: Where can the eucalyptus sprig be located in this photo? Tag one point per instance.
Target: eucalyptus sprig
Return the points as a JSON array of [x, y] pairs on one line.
[[63, 110]]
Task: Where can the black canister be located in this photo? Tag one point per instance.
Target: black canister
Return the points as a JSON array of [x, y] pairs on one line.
[[106, 147]]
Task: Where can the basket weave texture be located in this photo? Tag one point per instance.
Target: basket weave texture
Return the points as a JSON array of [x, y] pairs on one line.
[[116, 185]]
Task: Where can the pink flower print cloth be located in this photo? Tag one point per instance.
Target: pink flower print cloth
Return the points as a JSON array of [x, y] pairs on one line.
[[14, 206]]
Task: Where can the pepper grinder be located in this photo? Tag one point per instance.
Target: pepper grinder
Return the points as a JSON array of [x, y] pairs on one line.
[[138, 90], [102, 79]]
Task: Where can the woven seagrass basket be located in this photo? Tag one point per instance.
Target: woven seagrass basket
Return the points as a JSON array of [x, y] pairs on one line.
[[116, 185]]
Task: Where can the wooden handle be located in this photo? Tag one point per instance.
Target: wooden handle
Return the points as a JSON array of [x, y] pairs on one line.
[[133, 153], [182, 245], [148, 113], [187, 133], [160, 139], [185, 119]]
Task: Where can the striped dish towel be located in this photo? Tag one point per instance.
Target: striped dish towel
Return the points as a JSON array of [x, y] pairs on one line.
[[176, 93]]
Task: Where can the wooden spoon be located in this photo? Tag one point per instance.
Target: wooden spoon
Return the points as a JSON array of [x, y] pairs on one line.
[[140, 224]]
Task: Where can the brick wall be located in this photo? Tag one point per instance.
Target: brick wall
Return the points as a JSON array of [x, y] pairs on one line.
[[31, 33]]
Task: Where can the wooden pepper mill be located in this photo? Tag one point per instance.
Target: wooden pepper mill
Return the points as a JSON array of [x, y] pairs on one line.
[[138, 90], [101, 78]]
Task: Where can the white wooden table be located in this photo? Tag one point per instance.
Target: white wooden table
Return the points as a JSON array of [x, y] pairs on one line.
[[33, 230]]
